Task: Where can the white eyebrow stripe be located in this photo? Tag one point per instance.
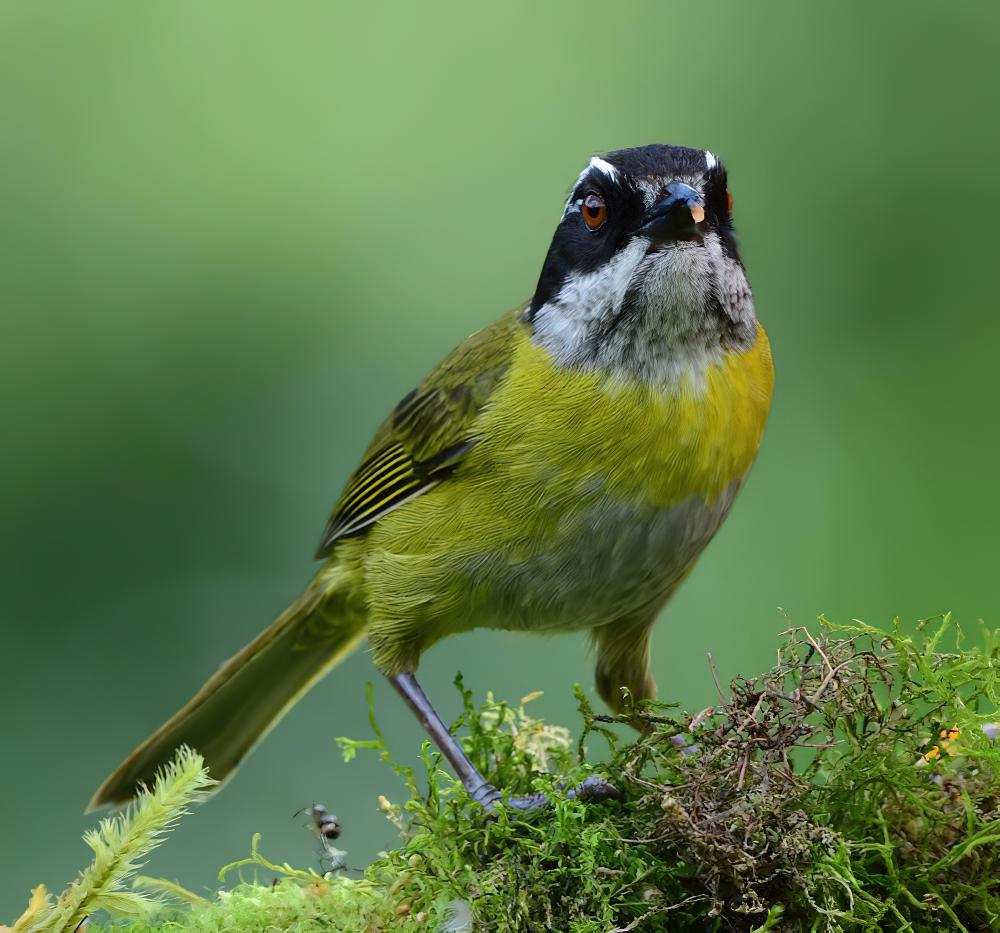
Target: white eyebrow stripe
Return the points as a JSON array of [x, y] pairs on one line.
[[710, 160], [602, 166]]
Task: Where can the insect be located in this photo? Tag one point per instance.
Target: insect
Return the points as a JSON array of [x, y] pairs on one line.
[[326, 823], [327, 828]]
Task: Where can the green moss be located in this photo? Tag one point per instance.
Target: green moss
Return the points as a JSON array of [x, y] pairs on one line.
[[818, 796]]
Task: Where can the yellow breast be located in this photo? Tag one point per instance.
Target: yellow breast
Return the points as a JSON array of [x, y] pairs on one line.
[[641, 442]]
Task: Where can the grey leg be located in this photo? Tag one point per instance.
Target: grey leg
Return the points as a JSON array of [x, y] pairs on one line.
[[479, 789]]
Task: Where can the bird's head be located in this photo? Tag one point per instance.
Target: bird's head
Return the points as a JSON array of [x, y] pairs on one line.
[[643, 275]]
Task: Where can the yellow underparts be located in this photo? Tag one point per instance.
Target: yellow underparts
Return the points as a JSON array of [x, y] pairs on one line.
[[645, 444], [560, 456]]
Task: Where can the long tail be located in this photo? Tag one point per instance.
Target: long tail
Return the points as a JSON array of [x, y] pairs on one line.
[[250, 692]]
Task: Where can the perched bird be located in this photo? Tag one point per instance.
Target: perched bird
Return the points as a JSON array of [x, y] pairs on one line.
[[561, 469]]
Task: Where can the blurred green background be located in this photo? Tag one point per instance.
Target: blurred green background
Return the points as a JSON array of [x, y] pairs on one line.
[[233, 235]]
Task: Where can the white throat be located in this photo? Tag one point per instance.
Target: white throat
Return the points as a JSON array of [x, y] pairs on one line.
[[660, 317]]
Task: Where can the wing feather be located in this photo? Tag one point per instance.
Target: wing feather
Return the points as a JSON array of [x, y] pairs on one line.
[[383, 482], [428, 434]]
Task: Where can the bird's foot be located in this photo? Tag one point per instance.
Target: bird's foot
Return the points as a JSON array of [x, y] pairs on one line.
[[486, 795], [529, 804], [591, 789]]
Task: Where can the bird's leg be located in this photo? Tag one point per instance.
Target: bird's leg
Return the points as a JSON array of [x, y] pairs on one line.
[[477, 787]]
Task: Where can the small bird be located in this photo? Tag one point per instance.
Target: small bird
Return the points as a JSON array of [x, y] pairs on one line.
[[561, 469]]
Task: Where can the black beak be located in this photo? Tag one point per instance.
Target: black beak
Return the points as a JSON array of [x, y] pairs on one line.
[[677, 216]]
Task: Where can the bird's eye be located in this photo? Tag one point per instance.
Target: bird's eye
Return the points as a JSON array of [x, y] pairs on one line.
[[729, 201], [594, 211]]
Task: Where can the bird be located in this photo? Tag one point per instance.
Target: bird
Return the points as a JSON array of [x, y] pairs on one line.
[[560, 470]]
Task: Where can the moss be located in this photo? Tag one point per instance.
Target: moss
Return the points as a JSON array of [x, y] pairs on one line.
[[855, 785]]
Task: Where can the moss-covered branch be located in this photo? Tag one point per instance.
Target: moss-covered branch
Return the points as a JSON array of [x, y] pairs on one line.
[[855, 785]]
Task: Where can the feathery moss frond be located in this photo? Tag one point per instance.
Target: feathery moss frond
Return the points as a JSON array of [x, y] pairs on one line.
[[121, 844]]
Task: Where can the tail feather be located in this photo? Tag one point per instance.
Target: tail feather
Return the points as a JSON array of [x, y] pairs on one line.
[[248, 695]]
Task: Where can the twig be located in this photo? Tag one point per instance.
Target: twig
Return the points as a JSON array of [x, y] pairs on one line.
[[715, 677], [812, 701], [635, 924], [752, 715], [816, 647]]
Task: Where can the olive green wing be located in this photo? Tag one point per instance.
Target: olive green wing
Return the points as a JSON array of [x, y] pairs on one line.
[[428, 434]]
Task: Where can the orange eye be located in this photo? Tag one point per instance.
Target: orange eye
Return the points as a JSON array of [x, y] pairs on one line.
[[729, 201], [594, 211]]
